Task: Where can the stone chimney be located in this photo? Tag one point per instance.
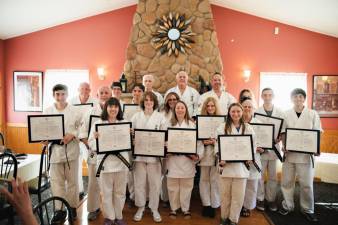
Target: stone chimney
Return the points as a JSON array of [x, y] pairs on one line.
[[201, 60]]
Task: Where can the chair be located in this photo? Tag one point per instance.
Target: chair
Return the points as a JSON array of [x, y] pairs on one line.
[[8, 170], [45, 210], [2, 139], [41, 183]]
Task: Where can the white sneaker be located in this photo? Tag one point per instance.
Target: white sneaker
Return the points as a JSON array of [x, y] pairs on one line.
[[139, 214], [156, 216]]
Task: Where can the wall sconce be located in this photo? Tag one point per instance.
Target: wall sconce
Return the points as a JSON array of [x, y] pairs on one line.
[[246, 74], [101, 73]]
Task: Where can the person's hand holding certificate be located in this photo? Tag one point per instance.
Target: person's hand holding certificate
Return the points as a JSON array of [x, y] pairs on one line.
[[113, 137], [302, 140], [182, 141]]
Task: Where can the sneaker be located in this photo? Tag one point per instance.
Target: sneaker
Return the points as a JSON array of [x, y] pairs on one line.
[[260, 205], [108, 222], [273, 206], [59, 217], [187, 215], [120, 222], [283, 211], [310, 217], [224, 222], [173, 214], [139, 214], [232, 223], [156, 216], [74, 213], [93, 215]]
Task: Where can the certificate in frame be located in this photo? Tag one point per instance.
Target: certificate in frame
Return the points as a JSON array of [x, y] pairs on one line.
[[118, 133], [144, 141], [202, 120], [129, 110], [92, 120], [278, 122], [182, 141], [85, 107], [302, 140], [51, 127], [264, 132], [228, 153]]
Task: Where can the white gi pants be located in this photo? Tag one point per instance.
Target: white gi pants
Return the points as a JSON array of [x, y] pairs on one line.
[[232, 192], [269, 191], [305, 174], [147, 173], [113, 187], [130, 185], [164, 189], [179, 191], [250, 197], [93, 199], [64, 181], [209, 190], [82, 155]]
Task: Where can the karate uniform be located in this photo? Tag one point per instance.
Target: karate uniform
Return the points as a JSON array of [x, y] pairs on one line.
[[83, 150], [190, 96], [209, 185], [147, 170], [232, 181], [93, 199], [250, 197], [180, 178], [224, 101], [64, 159], [299, 163], [113, 180], [269, 161], [159, 98]]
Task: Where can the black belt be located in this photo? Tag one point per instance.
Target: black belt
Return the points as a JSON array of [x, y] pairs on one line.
[[118, 155], [52, 143]]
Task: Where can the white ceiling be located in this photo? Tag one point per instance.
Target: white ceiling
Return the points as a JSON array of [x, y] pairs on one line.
[[18, 17]]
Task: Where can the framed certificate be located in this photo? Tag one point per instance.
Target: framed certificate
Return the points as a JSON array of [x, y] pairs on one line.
[[113, 137], [265, 134], [45, 127], [129, 110], [278, 122], [302, 140], [84, 108], [236, 148], [92, 120], [149, 143], [207, 126], [182, 141]]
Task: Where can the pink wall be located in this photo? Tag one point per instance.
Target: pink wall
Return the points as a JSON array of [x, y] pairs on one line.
[[102, 40], [2, 59]]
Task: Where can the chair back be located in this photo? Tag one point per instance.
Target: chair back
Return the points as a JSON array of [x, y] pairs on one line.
[[45, 210], [8, 166], [2, 140]]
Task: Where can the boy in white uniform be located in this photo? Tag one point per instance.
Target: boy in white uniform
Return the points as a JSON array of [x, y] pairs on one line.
[[186, 93], [64, 157], [269, 158], [299, 164], [116, 89]]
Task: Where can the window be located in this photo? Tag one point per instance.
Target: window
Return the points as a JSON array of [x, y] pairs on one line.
[[282, 84], [70, 78]]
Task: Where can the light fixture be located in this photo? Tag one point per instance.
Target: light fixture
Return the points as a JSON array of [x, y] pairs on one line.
[[276, 31], [101, 73], [246, 75]]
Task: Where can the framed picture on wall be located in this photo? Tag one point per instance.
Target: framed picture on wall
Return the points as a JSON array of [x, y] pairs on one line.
[[325, 95], [27, 91]]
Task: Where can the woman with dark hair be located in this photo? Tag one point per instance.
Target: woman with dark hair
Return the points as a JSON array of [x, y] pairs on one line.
[[233, 176], [147, 170], [181, 168], [113, 176], [247, 93]]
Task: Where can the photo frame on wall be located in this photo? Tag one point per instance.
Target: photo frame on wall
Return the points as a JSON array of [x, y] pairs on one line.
[[27, 87], [325, 95]]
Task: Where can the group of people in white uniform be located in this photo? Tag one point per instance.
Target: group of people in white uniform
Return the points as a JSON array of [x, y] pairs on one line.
[[236, 188]]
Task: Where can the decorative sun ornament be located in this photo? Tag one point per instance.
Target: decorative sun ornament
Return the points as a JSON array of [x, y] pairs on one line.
[[173, 34]]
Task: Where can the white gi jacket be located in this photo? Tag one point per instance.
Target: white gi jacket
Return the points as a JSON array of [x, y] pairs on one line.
[[159, 98], [155, 121], [224, 101], [180, 166], [72, 121], [309, 119], [276, 112], [190, 97], [111, 163], [235, 170]]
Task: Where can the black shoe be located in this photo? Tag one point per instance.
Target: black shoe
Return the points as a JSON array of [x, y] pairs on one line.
[[166, 204], [74, 213], [59, 217], [310, 217], [212, 212], [82, 195], [224, 221], [205, 211], [283, 211]]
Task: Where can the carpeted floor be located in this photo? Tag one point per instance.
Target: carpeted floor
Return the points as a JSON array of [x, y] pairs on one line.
[[326, 207]]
